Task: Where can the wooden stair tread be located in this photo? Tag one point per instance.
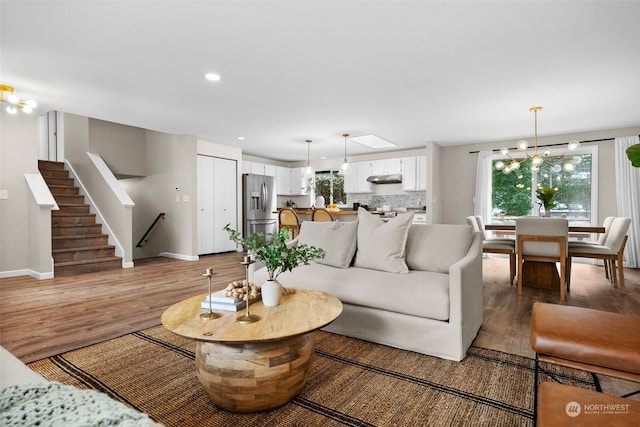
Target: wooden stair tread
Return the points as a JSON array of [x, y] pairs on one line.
[[75, 225], [87, 261], [79, 236], [59, 213], [83, 248]]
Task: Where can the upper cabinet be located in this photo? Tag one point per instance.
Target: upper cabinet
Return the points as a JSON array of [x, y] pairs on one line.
[[386, 166], [258, 168], [414, 173], [291, 181], [356, 182]]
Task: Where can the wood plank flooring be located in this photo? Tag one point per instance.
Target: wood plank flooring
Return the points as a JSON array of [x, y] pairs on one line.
[[40, 318]]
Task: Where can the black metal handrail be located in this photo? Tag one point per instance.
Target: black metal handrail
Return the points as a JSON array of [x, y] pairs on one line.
[[160, 215]]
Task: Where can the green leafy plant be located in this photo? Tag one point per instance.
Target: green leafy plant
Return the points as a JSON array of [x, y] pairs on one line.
[[276, 255], [545, 195], [633, 153]]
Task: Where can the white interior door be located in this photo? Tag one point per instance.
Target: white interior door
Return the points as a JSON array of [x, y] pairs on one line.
[[225, 202], [205, 205]]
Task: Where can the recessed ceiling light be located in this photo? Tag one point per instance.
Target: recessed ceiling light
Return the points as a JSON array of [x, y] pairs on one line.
[[372, 141], [212, 76], [241, 138]]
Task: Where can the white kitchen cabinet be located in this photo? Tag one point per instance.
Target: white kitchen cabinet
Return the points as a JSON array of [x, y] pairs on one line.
[[298, 182], [217, 203], [356, 182], [283, 181], [258, 168], [414, 173], [386, 166], [270, 170], [246, 166], [291, 181]]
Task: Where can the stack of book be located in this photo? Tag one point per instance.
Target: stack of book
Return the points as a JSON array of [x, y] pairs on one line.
[[221, 302]]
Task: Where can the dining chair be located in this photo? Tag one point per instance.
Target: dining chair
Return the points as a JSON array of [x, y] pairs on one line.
[[497, 246], [321, 214], [606, 224], [486, 235], [542, 239], [611, 252], [287, 217]]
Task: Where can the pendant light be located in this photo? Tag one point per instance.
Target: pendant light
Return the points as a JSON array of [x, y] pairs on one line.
[[308, 171], [345, 168]]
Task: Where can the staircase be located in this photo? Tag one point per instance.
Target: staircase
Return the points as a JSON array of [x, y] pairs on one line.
[[77, 242]]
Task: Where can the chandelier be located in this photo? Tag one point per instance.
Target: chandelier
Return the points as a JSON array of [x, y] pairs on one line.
[[345, 168], [555, 162], [14, 102]]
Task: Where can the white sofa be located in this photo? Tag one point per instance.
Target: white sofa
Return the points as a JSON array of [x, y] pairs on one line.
[[415, 287]]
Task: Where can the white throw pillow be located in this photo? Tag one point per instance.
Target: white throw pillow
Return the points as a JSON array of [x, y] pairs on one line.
[[337, 239], [381, 245]]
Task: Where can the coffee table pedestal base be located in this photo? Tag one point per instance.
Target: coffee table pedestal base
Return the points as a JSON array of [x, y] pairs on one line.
[[251, 377]]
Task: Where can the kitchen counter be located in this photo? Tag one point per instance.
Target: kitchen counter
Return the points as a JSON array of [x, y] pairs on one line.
[[334, 213]]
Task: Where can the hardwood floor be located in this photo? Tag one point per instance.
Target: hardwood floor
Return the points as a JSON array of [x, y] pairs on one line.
[[40, 318]]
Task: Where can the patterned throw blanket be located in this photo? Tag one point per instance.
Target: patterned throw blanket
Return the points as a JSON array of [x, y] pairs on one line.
[[55, 404]]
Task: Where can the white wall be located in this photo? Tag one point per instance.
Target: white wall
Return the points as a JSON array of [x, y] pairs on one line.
[[171, 164], [19, 137], [112, 139]]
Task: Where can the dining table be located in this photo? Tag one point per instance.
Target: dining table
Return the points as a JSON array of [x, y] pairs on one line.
[[537, 274]]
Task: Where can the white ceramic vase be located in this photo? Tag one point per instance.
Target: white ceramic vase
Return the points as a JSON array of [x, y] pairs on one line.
[[271, 291]]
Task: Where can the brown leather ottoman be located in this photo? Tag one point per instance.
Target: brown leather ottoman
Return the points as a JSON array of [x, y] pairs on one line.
[[591, 340], [562, 405]]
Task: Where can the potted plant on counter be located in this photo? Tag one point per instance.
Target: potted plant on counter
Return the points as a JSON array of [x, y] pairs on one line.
[[277, 256]]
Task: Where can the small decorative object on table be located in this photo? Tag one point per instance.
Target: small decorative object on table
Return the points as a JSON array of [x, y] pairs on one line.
[[210, 314], [545, 195], [276, 255], [247, 317]]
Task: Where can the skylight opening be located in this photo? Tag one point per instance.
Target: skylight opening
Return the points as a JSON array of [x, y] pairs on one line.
[[372, 141]]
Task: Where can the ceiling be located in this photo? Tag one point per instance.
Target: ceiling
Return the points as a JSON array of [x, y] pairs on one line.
[[408, 71]]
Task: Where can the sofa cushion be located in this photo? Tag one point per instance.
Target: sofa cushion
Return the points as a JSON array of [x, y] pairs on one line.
[[417, 293], [381, 245], [436, 248], [337, 239]]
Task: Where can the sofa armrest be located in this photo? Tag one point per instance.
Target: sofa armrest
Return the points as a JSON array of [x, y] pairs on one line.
[[465, 286]]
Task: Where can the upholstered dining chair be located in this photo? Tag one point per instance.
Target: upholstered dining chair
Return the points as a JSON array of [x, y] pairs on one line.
[[287, 217], [543, 240], [496, 246], [486, 235], [612, 251], [321, 214], [606, 224]]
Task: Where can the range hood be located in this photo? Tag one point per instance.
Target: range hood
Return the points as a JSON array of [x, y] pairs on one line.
[[395, 178]]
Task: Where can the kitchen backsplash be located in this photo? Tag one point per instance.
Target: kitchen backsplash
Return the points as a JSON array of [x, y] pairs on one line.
[[394, 200]]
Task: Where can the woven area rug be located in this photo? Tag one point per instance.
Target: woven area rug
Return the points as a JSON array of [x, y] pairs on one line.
[[353, 382]]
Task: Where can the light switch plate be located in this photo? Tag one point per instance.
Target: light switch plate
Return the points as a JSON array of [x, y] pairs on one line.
[[185, 197], [4, 194]]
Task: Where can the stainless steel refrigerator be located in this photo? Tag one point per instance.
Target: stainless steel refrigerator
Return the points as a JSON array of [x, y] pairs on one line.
[[259, 204]]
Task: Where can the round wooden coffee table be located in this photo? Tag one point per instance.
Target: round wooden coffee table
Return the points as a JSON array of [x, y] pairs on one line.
[[255, 366]]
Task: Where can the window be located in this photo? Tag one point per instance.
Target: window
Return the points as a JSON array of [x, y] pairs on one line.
[[330, 185], [515, 195]]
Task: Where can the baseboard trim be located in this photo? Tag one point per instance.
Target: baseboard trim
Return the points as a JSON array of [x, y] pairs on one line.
[[180, 256], [26, 272]]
